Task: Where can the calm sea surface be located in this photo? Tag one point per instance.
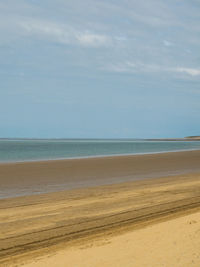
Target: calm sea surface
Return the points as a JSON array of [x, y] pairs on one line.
[[28, 150]]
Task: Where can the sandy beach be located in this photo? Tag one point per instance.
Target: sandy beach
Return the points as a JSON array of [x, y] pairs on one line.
[[93, 226], [174, 242], [99, 133]]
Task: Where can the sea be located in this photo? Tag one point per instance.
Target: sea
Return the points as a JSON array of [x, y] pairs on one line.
[[19, 150]]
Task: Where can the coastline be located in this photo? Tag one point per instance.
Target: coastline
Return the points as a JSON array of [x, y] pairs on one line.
[[36, 177], [97, 156], [44, 150], [36, 228]]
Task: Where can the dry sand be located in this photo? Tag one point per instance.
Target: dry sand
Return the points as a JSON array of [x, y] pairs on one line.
[[174, 243], [104, 225]]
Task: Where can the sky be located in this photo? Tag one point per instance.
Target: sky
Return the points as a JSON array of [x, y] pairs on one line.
[[99, 69]]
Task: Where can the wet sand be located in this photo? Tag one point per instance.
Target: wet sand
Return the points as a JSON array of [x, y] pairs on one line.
[[54, 229], [29, 178]]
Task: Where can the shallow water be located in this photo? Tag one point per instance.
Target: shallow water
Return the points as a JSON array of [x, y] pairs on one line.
[[28, 150]]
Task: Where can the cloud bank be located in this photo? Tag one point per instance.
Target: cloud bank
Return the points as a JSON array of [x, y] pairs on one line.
[[140, 37]]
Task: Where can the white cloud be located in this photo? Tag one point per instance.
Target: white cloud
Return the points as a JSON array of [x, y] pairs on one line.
[[189, 71], [45, 29], [64, 34], [139, 67], [133, 67], [167, 43], [91, 39]]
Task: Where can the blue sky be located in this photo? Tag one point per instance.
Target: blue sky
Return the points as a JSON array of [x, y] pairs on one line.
[[101, 69]]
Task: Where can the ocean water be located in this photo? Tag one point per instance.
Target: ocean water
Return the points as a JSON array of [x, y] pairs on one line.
[[29, 150]]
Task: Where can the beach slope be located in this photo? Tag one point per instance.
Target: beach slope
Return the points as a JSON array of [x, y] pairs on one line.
[[39, 225]]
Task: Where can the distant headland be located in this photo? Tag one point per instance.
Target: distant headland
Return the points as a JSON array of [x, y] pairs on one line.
[[193, 137]]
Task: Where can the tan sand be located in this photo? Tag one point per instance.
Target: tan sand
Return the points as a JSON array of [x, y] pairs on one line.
[[50, 176], [39, 225], [174, 243]]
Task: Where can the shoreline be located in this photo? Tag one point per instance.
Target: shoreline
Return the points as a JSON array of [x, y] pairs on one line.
[[98, 156], [41, 225], [27, 178], [189, 138]]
